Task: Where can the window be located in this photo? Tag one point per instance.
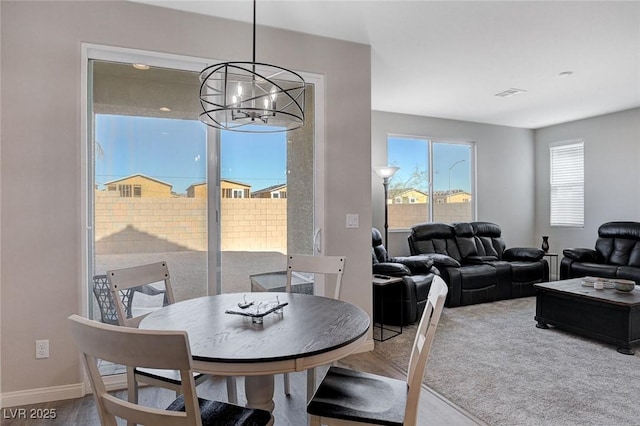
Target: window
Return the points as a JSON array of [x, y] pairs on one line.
[[567, 183], [125, 190], [238, 193], [434, 183]]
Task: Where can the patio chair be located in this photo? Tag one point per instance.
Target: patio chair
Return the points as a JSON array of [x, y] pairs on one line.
[[351, 397], [134, 277], [108, 311], [326, 265], [153, 349]]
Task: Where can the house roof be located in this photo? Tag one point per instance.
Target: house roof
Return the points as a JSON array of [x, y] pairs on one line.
[[402, 191], [139, 175], [236, 182], [270, 189]]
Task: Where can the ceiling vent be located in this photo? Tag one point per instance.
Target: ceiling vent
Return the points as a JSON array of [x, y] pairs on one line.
[[510, 92]]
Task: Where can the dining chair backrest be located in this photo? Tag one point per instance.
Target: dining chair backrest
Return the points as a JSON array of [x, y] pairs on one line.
[[135, 348], [138, 276], [327, 265], [422, 345]]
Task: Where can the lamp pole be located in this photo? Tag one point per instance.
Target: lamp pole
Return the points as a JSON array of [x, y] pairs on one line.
[[386, 172], [451, 167]]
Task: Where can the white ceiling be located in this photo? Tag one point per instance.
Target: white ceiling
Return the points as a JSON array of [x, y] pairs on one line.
[[449, 59]]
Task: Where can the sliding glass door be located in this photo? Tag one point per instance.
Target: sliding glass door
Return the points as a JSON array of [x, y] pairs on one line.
[[219, 207], [266, 203]]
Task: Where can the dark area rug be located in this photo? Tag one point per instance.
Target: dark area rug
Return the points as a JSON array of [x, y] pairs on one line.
[[492, 361]]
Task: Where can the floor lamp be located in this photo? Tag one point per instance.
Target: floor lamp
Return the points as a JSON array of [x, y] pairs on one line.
[[386, 172]]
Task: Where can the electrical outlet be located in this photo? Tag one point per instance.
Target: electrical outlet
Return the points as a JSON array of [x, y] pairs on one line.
[[42, 349]]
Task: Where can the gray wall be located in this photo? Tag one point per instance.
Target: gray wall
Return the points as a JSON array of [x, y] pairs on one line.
[[611, 157], [40, 166], [505, 172]]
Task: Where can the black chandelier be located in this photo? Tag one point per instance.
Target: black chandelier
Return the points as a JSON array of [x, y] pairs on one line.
[[237, 95]]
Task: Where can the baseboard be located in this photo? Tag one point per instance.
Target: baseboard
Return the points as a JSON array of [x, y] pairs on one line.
[[40, 395]]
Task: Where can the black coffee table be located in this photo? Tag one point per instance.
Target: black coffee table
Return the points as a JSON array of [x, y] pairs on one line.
[[608, 315]]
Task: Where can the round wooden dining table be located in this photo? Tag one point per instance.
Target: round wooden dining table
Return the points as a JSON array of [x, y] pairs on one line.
[[310, 331]]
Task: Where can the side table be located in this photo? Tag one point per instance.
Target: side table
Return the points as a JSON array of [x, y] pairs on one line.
[[553, 259], [380, 286]]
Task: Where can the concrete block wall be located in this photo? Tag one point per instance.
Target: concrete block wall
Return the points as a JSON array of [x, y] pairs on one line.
[[150, 225], [403, 216]]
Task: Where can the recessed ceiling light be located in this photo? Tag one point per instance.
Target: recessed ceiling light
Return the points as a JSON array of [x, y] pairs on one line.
[[141, 66], [165, 109], [565, 74], [510, 92]]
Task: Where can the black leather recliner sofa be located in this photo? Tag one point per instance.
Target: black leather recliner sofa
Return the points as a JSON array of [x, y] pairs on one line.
[[475, 263], [417, 273], [616, 254]]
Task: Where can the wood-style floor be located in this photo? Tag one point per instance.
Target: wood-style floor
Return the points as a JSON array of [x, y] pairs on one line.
[[433, 409]]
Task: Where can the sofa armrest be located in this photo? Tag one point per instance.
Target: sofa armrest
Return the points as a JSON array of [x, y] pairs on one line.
[[527, 254], [443, 260], [582, 255], [392, 269], [418, 264]]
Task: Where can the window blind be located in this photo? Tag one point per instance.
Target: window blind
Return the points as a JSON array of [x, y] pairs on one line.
[[567, 184]]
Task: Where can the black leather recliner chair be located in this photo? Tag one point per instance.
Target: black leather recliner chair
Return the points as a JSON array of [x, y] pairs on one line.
[[616, 254], [417, 273]]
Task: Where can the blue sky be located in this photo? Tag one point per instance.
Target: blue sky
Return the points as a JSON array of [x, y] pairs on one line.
[[174, 151], [409, 153]]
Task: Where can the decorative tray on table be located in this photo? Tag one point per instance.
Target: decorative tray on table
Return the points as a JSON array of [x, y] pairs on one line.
[[590, 281], [257, 309]]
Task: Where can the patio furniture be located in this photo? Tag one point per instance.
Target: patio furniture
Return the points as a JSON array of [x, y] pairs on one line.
[[157, 350]]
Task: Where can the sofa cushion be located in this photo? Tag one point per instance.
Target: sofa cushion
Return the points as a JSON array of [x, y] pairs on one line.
[[477, 276], [465, 240]]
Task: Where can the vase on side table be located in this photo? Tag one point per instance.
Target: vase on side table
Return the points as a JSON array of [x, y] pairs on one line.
[[545, 243]]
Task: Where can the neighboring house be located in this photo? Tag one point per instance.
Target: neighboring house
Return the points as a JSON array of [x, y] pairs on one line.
[[233, 189], [138, 186], [197, 190], [453, 196], [275, 191], [407, 196]]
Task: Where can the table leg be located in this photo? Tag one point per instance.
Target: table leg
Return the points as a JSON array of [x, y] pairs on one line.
[[259, 392]]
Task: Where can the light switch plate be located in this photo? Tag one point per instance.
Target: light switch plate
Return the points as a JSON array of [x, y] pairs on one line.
[[353, 221]]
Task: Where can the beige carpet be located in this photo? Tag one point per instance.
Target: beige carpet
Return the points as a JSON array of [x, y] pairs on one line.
[[492, 361]]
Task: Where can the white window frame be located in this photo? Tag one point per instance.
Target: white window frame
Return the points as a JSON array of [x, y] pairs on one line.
[[566, 184]]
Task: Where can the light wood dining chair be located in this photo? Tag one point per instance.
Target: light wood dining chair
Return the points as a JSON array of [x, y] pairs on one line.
[[349, 397], [326, 265], [135, 277], [158, 350]]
